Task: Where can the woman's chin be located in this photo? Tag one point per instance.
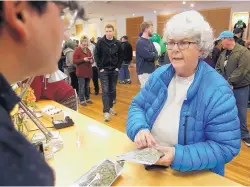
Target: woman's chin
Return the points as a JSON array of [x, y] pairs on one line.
[[177, 63]]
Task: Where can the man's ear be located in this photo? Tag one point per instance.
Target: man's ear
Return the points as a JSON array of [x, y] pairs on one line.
[[15, 14]]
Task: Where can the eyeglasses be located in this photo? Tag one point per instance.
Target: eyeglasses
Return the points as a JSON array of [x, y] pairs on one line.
[[70, 12], [181, 45]]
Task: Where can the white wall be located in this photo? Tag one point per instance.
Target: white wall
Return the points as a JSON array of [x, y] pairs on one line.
[[150, 16]]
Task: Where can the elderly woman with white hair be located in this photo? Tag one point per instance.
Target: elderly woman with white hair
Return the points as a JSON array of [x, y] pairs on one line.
[[186, 109]]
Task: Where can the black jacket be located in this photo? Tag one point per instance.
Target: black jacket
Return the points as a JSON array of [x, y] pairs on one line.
[[127, 52], [239, 41], [108, 54]]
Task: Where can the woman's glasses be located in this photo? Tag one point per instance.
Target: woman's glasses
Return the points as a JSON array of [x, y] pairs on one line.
[[181, 45]]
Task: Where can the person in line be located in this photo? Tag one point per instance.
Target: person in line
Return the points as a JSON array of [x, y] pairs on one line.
[[186, 109], [59, 91], [83, 59], [94, 67], [213, 56], [108, 59], [234, 65], [31, 36], [237, 37], [70, 67], [124, 74], [146, 53]]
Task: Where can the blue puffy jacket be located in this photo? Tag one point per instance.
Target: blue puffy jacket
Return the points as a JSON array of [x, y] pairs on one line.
[[209, 131]]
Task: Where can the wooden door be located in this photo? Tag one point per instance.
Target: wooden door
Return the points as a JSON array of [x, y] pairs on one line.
[[133, 29]]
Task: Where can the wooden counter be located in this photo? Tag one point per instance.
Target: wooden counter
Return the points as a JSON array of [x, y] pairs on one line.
[[98, 142]]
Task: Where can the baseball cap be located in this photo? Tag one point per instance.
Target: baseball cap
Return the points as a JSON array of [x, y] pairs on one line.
[[225, 34], [237, 31]]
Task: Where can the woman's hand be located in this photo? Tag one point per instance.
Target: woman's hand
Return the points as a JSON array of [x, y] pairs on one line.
[[168, 158], [144, 139], [86, 59]]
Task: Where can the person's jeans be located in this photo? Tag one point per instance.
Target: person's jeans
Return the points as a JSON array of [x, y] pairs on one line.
[[241, 96], [124, 73], [95, 79], [83, 88], [108, 82], [74, 80]]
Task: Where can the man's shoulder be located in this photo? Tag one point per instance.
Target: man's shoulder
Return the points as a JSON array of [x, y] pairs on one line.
[[242, 50], [140, 41]]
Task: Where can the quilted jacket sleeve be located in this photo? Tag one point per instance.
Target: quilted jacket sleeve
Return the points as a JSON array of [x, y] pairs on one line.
[[137, 112], [222, 132]]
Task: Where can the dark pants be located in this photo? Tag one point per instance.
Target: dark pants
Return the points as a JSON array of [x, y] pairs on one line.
[[116, 80], [83, 88], [74, 81], [124, 73], [241, 96], [95, 79], [108, 82]]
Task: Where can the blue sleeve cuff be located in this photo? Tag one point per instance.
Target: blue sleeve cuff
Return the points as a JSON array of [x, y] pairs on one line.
[[179, 149]]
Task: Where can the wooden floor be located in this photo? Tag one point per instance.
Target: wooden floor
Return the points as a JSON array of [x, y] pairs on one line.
[[237, 170]]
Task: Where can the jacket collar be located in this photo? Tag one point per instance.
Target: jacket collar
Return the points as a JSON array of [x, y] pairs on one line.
[[169, 73], [104, 39]]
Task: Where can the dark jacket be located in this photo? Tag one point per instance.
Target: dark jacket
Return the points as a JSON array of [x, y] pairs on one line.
[[20, 163], [164, 59], [239, 41], [212, 58], [146, 55], [127, 52], [237, 70], [108, 54]]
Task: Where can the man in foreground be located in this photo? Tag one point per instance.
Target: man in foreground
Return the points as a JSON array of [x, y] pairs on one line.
[[26, 29]]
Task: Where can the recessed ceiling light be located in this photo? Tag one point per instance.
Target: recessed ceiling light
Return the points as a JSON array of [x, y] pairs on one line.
[[184, 2], [192, 4], [154, 11]]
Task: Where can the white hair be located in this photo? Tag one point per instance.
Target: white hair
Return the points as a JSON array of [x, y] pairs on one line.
[[191, 24]]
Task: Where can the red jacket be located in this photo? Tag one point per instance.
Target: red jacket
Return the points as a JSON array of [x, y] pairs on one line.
[[57, 91], [83, 69]]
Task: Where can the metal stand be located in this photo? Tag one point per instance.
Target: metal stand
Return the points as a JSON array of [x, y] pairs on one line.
[[30, 113]]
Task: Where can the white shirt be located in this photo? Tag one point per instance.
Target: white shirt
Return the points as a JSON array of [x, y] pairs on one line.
[[166, 127]]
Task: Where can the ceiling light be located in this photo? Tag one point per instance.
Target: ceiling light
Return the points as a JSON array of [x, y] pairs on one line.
[[192, 5], [184, 2], [154, 11]]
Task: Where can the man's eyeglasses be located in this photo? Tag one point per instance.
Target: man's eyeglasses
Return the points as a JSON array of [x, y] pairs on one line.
[[71, 11], [181, 45]]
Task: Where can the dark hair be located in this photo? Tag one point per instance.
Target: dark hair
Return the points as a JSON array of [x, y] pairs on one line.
[[110, 26], [125, 37], [39, 6]]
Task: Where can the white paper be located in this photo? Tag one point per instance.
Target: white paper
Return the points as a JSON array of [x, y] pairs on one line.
[[148, 156]]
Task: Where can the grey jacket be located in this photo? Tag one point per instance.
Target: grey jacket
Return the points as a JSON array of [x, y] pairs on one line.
[[69, 60], [237, 70]]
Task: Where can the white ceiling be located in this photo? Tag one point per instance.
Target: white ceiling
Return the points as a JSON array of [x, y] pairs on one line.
[[100, 9]]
